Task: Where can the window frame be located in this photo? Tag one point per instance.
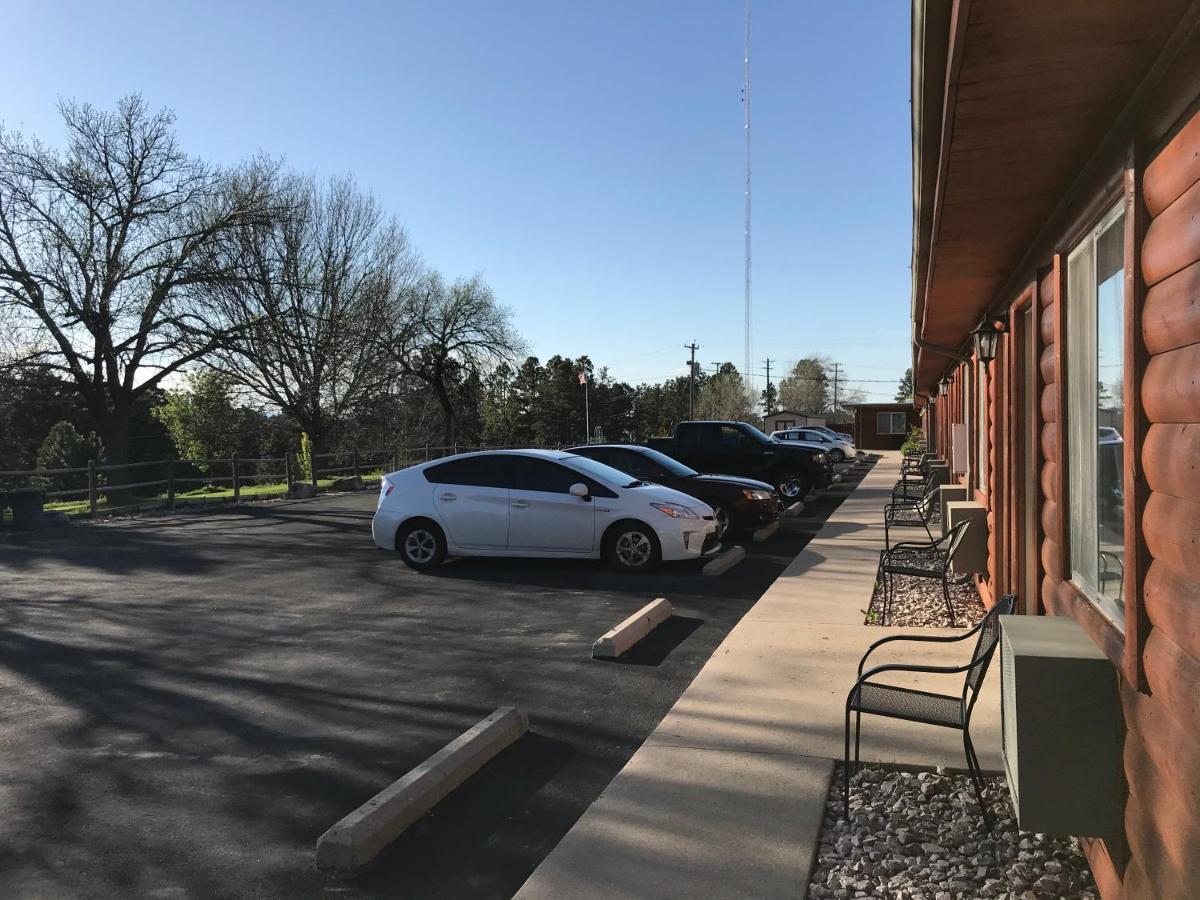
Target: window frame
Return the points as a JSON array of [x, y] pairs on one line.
[[891, 422], [1080, 485]]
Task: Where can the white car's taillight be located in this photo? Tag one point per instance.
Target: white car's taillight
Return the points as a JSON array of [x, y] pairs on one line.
[[385, 488]]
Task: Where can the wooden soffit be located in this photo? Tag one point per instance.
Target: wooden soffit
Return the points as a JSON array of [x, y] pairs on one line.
[[1027, 91]]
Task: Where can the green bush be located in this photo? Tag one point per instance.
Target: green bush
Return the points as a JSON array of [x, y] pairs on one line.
[[915, 440], [66, 448]]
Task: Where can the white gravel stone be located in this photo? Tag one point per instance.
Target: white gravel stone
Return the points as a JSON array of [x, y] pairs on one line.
[[918, 602], [902, 845]]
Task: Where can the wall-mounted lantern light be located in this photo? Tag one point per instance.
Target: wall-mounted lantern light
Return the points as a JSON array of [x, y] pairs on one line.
[[987, 337], [945, 383]]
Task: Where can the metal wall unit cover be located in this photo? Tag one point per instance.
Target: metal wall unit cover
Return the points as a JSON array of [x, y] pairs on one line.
[[1061, 728]]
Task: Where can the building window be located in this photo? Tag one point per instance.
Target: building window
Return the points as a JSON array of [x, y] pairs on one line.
[[786, 423], [1095, 414], [891, 423]]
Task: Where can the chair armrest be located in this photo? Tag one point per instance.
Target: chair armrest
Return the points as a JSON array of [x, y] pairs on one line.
[[916, 638], [908, 667], [914, 545]]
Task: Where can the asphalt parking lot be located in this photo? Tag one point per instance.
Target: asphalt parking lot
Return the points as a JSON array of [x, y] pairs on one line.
[[187, 702]]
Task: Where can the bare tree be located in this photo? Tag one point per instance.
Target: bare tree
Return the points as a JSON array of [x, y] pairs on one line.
[[106, 248], [312, 306], [445, 333]]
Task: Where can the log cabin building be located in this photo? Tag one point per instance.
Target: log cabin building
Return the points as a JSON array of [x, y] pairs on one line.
[[1056, 192]]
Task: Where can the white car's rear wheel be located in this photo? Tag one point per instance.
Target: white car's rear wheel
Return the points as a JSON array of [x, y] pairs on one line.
[[421, 544], [632, 547], [836, 455]]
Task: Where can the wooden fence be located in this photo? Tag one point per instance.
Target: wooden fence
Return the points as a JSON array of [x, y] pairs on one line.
[[138, 491]]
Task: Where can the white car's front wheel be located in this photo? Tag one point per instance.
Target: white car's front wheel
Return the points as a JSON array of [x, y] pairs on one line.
[[836, 455], [632, 547]]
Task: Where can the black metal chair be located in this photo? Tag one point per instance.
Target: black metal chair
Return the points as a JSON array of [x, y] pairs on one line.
[[944, 710], [914, 479], [934, 557], [1113, 571], [910, 513]]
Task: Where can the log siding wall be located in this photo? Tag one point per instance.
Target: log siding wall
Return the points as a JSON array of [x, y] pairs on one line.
[[1162, 757], [1158, 856]]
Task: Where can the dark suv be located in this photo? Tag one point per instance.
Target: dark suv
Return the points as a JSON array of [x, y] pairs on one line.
[[739, 504]]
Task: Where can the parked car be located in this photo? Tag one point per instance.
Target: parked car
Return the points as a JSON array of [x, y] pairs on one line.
[[738, 504], [737, 448], [537, 503], [839, 448]]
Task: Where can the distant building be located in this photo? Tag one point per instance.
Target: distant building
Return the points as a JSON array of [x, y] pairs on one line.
[[786, 418], [883, 426]]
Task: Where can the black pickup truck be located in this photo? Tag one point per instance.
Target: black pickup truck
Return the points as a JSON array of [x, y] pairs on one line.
[[737, 448]]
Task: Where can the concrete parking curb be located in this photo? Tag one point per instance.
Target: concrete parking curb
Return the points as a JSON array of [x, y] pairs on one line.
[[795, 509], [766, 532], [616, 641], [725, 561], [358, 838]]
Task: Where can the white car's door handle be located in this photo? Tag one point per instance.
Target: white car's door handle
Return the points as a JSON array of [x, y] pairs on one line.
[[520, 504], [447, 496]]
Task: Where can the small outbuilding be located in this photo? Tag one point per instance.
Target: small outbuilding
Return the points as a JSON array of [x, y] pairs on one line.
[[786, 418], [883, 426]]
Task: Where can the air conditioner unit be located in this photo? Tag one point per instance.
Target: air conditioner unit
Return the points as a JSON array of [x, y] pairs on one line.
[[1061, 728]]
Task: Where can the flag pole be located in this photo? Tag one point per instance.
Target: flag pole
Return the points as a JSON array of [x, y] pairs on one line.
[[587, 414]]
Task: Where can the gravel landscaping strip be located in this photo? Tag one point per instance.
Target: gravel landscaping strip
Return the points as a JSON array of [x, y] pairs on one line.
[[918, 602], [919, 836]]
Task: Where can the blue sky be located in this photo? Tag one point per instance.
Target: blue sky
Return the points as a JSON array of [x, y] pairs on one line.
[[586, 157]]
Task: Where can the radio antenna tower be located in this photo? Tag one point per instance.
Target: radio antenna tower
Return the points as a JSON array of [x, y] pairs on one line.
[[746, 125]]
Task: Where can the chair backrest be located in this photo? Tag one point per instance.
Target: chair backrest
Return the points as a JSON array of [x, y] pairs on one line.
[[931, 494], [985, 647], [954, 540]]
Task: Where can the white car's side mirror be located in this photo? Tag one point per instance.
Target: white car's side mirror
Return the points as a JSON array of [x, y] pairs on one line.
[[578, 490]]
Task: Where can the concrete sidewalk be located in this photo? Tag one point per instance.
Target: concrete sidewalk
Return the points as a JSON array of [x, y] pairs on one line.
[[726, 797]]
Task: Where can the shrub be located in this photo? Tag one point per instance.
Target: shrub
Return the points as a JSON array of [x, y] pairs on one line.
[[915, 439], [66, 448]]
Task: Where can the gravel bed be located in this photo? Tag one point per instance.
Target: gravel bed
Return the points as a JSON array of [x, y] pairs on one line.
[[919, 836], [918, 602]]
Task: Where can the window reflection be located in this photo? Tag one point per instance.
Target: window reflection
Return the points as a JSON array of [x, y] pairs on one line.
[[1110, 412]]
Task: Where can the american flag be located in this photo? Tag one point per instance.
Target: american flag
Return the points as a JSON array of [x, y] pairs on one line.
[[583, 377]]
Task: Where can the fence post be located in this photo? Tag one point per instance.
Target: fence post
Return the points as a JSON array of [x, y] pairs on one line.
[[312, 453], [287, 468], [426, 453], [395, 459], [170, 482], [237, 488], [92, 486], [354, 458]]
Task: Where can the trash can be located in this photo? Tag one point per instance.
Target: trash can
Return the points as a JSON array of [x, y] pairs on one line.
[[26, 506]]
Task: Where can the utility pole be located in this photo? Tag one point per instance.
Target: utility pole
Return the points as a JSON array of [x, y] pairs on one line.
[[746, 127], [767, 395], [835, 389], [693, 346]]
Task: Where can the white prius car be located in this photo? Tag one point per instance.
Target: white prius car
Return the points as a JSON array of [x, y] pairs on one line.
[[838, 446], [537, 503]]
